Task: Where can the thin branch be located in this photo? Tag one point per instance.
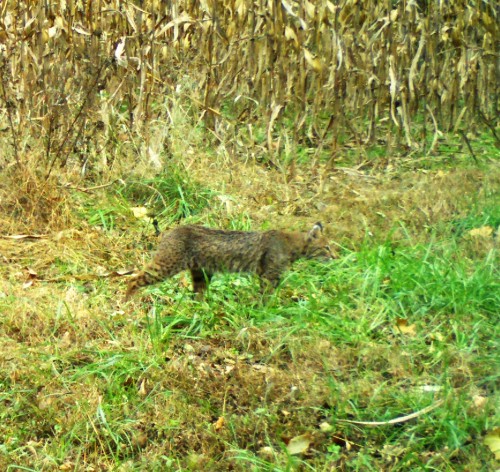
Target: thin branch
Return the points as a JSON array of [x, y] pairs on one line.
[[90, 189], [76, 118], [437, 133], [466, 139], [488, 124], [400, 419]]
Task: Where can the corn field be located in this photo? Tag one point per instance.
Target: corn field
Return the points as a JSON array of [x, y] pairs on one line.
[[79, 78]]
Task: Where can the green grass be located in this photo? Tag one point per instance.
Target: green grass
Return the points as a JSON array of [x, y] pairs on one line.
[[87, 381], [170, 194], [352, 305]]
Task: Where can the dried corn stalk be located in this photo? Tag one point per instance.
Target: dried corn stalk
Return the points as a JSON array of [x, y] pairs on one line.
[[77, 74]]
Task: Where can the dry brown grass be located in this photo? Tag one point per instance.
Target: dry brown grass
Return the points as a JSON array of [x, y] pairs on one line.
[[288, 113], [350, 202], [30, 203], [92, 78], [81, 355]]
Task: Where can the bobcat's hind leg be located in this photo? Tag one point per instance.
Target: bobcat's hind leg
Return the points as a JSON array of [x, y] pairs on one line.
[[201, 279], [141, 280], [155, 272], [270, 276], [268, 286]]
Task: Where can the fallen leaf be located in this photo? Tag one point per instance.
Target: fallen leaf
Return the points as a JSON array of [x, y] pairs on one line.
[[437, 336], [266, 452], [67, 466], [117, 313], [142, 388], [31, 273], [325, 427], [140, 212], [483, 232], [391, 450], [492, 440], [219, 424], [479, 401], [45, 402], [405, 328], [299, 444]]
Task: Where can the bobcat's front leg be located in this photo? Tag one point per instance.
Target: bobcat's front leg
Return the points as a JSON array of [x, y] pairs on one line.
[[271, 268], [270, 279], [267, 287]]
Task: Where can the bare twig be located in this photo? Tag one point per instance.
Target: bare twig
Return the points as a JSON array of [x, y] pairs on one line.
[[488, 124], [90, 189], [400, 419], [467, 142], [19, 237], [75, 119], [437, 133]]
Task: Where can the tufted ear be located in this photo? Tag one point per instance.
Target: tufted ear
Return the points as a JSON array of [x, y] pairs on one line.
[[315, 232]]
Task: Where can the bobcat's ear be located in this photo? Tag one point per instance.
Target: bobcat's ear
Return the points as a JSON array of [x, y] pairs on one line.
[[316, 231]]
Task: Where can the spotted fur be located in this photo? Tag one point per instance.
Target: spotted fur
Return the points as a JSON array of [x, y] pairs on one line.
[[204, 251]]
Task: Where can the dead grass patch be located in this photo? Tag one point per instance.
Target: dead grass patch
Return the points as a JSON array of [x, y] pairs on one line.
[[353, 205], [93, 383], [31, 203]]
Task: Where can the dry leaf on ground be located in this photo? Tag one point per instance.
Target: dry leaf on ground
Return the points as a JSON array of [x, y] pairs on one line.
[[404, 327], [483, 232], [325, 427], [299, 444], [140, 212], [479, 401], [219, 424], [492, 440]]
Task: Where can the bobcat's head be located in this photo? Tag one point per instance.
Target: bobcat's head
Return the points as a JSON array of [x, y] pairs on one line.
[[317, 246]]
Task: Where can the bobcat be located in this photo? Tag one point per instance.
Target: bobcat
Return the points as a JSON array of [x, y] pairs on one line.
[[204, 251]]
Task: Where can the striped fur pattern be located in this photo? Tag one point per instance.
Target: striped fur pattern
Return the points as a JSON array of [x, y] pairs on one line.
[[204, 251]]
